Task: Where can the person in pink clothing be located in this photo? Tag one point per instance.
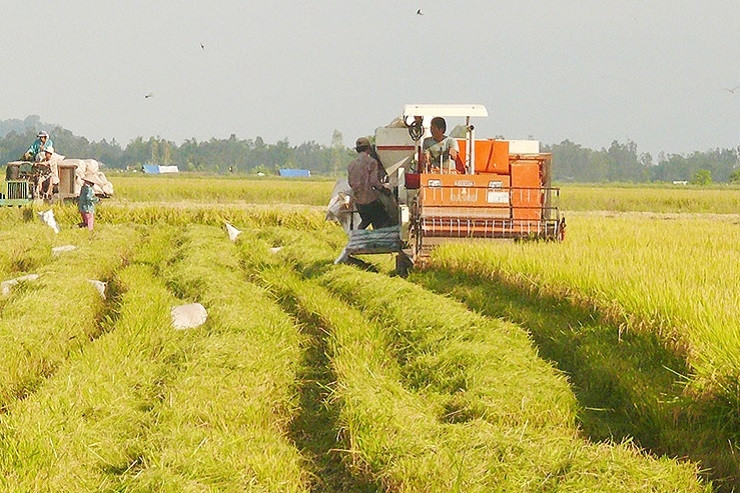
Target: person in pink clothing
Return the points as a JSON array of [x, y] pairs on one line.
[[86, 201]]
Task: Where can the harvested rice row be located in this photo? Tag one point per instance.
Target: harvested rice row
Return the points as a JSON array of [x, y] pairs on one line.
[[84, 426], [463, 371], [24, 247], [392, 434], [221, 423], [476, 367], [44, 321]]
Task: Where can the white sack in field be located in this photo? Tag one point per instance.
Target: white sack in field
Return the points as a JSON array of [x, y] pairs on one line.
[[233, 232], [99, 285], [340, 206], [63, 248], [6, 286], [188, 316], [48, 218]]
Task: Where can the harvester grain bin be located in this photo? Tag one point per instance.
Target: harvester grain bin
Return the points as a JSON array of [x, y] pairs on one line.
[[497, 190]]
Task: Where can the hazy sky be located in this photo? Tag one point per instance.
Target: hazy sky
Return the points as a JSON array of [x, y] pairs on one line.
[[651, 71]]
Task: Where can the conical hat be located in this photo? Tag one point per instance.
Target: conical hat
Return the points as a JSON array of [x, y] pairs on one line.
[[92, 178]]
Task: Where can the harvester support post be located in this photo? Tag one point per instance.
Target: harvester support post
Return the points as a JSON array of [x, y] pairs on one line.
[[403, 264]]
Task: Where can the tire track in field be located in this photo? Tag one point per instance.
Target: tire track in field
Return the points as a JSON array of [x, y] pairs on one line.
[[628, 384], [315, 429]]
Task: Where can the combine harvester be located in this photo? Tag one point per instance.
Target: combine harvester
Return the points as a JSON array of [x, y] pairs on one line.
[[498, 189]]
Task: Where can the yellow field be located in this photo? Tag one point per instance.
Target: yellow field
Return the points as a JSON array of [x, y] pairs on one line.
[[541, 366]]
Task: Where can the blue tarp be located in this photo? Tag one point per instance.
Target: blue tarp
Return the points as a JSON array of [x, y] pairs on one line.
[[294, 172]]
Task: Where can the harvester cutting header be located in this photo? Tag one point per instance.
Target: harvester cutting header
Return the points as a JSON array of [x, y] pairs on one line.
[[441, 189]]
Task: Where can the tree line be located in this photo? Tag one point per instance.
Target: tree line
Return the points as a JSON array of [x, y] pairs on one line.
[[214, 155], [622, 162], [572, 162]]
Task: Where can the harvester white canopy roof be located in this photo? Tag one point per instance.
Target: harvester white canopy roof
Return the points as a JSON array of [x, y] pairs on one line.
[[429, 110]]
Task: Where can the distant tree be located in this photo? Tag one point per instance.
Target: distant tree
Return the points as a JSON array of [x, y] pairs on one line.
[[261, 168], [735, 176], [136, 153], [154, 150], [701, 177], [166, 152], [337, 146]]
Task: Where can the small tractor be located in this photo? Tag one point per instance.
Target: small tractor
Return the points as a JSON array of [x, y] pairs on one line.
[[498, 189], [24, 179]]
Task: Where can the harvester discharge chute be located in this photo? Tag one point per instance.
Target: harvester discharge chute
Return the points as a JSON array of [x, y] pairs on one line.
[[496, 189]]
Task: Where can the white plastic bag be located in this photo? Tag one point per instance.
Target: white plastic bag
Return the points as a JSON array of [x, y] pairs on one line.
[[48, 218], [99, 285], [188, 316], [233, 232], [341, 205], [6, 286], [61, 249]]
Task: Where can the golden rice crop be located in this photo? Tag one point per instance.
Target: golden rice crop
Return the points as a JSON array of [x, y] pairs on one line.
[[677, 199], [676, 276], [221, 190]]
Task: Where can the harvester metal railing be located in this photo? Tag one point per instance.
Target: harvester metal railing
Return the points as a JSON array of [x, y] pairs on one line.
[[461, 212]]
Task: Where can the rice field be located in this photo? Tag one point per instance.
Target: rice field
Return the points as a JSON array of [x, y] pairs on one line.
[[720, 199], [599, 364], [676, 277], [210, 189]]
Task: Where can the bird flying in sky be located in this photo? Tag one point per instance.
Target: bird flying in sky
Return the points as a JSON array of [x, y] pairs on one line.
[[148, 95], [202, 47], [732, 91], [418, 12]]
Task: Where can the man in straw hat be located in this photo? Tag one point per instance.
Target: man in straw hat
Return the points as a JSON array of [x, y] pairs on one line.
[[364, 175], [87, 199]]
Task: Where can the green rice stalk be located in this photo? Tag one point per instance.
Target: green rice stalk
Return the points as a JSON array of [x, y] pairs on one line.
[[222, 422]]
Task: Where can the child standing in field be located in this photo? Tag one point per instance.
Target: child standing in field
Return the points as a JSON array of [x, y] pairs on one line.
[[86, 201]]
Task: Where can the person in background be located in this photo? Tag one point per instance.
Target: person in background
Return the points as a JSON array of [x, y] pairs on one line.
[[438, 150], [86, 201], [42, 142], [363, 175], [50, 159]]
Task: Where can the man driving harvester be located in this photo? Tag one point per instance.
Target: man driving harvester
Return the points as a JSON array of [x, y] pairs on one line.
[[439, 150]]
